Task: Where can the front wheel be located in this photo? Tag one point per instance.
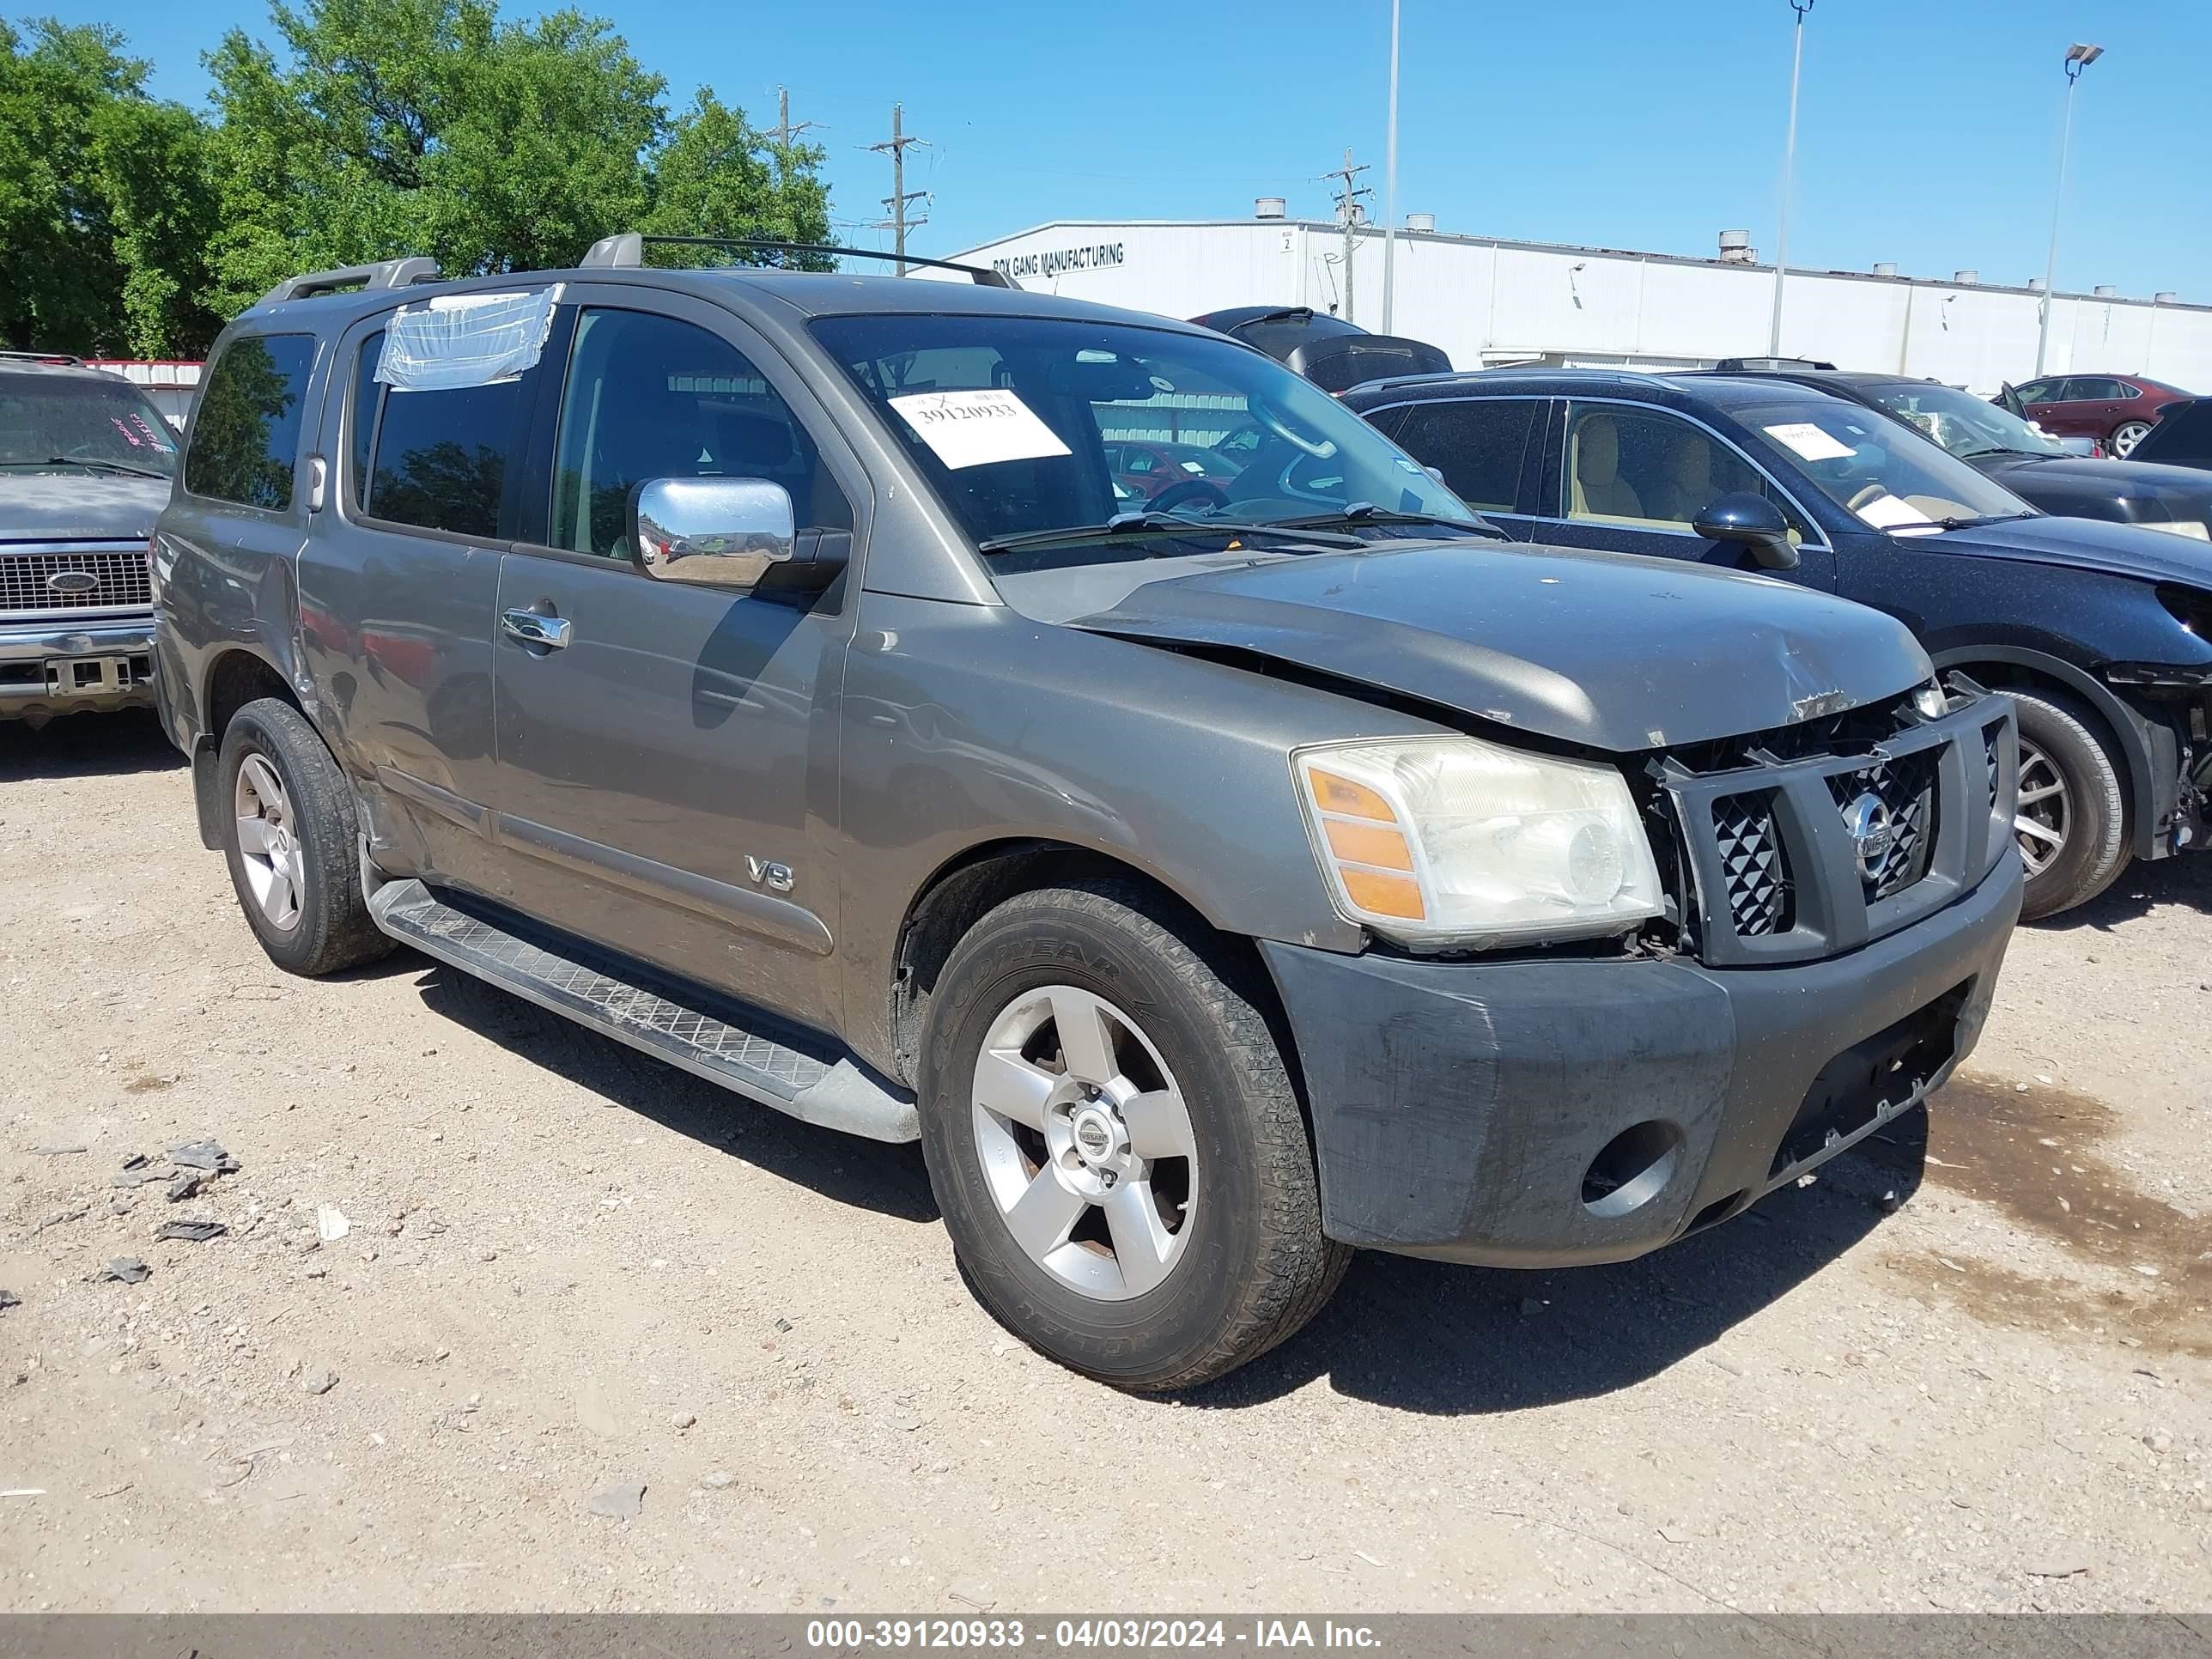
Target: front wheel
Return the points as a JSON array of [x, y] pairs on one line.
[[2071, 820], [2125, 437], [1115, 1142]]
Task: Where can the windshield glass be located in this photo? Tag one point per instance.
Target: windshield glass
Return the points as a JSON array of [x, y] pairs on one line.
[[52, 422], [1031, 424], [1962, 422], [1890, 478]]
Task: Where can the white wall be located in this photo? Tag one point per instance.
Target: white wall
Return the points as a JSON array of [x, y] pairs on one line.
[[1486, 301]]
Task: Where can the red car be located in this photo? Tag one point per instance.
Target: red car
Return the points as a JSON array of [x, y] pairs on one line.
[[2114, 409], [1147, 469]]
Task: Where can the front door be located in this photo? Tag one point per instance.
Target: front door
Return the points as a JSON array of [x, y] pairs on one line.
[[667, 768], [1631, 478]]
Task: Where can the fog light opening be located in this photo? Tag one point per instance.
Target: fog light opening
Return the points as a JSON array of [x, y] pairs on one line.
[[1632, 1169]]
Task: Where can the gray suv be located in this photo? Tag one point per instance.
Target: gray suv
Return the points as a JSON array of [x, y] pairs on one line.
[[85, 464], [758, 666]]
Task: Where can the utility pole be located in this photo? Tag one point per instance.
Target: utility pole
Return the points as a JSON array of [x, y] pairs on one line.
[[2079, 57], [785, 132], [1347, 213], [899, 223]]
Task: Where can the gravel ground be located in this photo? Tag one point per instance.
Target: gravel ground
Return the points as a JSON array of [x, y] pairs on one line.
[[1965, 1369]]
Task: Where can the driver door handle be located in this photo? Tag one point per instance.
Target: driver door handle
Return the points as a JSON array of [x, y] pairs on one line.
[[550, 633]]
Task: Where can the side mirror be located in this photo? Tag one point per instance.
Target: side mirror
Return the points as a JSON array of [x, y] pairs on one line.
[[715, 532], [1751, 521]]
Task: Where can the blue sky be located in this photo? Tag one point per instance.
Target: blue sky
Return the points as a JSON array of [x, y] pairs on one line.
[[1927, 133]]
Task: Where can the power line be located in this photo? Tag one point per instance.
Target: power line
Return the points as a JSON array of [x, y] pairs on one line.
[[1348, 212], [900, 222]]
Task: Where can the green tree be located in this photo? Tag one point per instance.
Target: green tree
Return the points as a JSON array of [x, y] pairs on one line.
[[714, 175]]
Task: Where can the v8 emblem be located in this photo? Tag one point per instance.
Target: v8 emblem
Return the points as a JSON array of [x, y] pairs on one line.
[[766, 873]]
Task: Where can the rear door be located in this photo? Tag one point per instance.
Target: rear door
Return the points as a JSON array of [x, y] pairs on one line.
[[398, 591], [2072, 411], [1489, 450], [667, 775], [1633, 477]]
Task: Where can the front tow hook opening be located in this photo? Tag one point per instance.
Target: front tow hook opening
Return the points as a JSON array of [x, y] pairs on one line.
[[1632, 1169]]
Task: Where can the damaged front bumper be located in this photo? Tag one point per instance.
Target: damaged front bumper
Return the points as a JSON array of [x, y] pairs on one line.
[[1541, 1113]]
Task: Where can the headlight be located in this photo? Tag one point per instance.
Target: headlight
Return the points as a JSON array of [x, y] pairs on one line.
[[2180, 527], [1441, 842]]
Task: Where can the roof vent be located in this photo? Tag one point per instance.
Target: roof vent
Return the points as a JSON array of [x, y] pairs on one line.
[[2106, 291], [1966, 278], [1885, 269], [1420, 221], [1736, 248], [2165, 296], [1267, 207], [2035, 285]]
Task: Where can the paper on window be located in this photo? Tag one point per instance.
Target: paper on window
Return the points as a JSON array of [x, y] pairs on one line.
[[466, 339], [1808, 440], [975, 428], [1887, 512]]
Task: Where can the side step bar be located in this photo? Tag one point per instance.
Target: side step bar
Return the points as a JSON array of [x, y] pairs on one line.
[[836, 1094]]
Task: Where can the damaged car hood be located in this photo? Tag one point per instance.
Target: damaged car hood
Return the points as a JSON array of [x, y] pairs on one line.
[[1616, 652]]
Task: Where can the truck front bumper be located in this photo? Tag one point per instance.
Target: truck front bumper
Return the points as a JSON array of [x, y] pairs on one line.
[[1541, 1113], [59, 668]]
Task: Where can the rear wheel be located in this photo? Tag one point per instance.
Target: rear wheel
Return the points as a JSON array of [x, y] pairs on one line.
[[1115, 1144], [2125, 437], [2070, 823], [291, 843]]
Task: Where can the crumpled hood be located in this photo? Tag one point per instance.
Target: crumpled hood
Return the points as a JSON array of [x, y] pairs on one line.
[[1615, 652], [2123, 550], [61, 507], [2185, 492]]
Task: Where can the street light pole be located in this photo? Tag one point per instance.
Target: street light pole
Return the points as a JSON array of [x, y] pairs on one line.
[[2078, 58], [1390, 179], [1788, 179]]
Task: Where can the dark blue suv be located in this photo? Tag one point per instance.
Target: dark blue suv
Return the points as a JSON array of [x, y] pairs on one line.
[[2102, 632]]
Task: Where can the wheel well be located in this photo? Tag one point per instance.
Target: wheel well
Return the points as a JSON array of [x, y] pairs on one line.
[[964, 891], [240, 678], [2019, 676]]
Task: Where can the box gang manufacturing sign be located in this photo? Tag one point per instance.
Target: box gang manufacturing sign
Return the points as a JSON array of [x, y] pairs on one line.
[[1054, 262]]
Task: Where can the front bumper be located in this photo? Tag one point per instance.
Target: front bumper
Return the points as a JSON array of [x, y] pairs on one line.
[[1542, 1114], [51, 668]]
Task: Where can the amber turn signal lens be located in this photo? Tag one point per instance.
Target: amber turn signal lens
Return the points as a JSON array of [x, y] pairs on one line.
[[1366, 843], [1354, 800], [1380, 895]]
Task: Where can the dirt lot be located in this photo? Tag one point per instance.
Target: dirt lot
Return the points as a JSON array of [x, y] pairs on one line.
[[570, 1268]]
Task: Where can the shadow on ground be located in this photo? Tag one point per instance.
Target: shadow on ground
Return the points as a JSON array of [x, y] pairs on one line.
[[85, 746]]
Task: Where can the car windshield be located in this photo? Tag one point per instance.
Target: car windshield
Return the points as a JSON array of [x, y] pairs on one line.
[[1889, 477], [1022, 425], [1963, 423], [64, 422]]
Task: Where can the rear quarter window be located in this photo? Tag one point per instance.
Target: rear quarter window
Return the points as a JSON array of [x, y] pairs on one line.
[[245, 440]]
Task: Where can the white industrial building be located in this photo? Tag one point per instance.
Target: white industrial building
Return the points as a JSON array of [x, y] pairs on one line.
[[1488, 302]]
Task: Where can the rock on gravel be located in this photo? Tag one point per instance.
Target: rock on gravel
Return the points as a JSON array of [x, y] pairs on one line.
[[320, 1383], [622, 1501]]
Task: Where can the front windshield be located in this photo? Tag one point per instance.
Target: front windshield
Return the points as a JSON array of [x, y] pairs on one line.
[[1889, 477], [1963, 423], [1026, 425], [66, 422]]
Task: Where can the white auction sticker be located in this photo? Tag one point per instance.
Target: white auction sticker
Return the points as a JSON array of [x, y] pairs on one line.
[[1808, 440], [975, 428], [1887, 512]]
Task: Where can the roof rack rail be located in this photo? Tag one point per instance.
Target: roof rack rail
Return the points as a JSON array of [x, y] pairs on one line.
[[383, 273], [64, 359], [628, 249]]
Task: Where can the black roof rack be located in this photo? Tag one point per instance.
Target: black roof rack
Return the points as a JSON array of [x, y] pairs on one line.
[[1771, 366], [383, 273], [628, 249], [60, 359]]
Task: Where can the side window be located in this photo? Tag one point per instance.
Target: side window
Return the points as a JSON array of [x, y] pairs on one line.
[[1477, 444], [245, 442], [2070, 392], [440, 458], [1643, 468], [368, 398], [2038, 391], [651, 397], [1134, 460]]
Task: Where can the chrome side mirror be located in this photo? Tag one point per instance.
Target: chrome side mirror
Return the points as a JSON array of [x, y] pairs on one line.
[[716, 533]]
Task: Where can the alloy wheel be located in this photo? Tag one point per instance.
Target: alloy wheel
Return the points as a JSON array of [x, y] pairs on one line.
[[2127, 437], [2045, 815], [1085, 1142], [268, 843]]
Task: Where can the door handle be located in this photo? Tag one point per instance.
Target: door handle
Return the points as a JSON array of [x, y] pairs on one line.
[[550, 633]]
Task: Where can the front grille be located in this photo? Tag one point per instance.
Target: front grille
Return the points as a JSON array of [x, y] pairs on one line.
[[119, 581], [1751, 857], [1905, 788], [1991, 734]]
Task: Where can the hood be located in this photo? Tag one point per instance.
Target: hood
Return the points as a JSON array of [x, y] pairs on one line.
[[1615, 652], [63, 506], [2185, 492], [2122, 549]]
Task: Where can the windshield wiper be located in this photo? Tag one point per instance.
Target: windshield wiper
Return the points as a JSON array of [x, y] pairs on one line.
[[1365, 513], [2006, 449], [1156, 524], [95, 464], [1967, 521]]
